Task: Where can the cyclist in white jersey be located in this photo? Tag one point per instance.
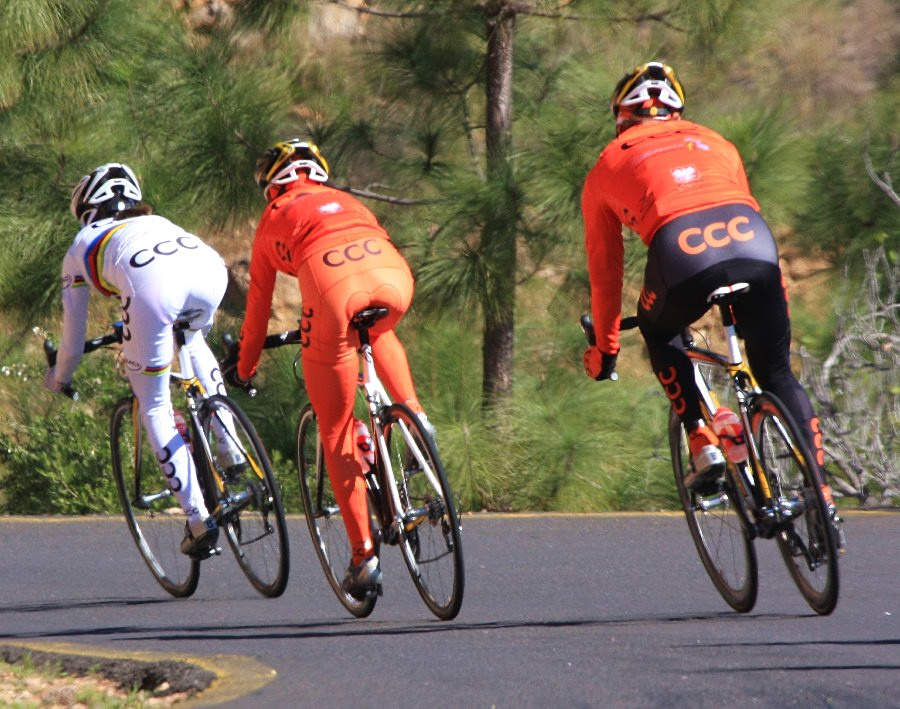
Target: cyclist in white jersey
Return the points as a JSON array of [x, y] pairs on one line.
[[161, 274]]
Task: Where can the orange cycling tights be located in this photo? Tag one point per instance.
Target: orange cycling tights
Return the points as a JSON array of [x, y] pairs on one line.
[[336, 281]]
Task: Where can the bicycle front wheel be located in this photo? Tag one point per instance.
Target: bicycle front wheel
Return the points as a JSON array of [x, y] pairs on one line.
[[245, 496], [807, 541], [152, 512], [428, 524], [717, 528], [323, 516]]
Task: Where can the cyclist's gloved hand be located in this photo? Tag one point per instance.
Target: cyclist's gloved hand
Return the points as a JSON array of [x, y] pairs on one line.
[[600, 365], [51, 382], [232, 379]]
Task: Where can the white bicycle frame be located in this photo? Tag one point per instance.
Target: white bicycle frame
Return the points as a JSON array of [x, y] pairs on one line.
[[376, 397]]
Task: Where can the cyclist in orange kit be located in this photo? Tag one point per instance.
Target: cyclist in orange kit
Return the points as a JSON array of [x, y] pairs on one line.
[[683, 189], [344, 262]]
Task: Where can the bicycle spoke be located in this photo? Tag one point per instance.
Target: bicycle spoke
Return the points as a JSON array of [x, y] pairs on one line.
[[151, 510], [323, 517], [718, 531], [806, 541], [247, 498], [429, 525]]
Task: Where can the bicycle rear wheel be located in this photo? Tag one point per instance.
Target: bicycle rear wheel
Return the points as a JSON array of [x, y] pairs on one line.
[[807, 542], [717, 528], [152, 512], [245, 496], [323, 516], [429, 526]]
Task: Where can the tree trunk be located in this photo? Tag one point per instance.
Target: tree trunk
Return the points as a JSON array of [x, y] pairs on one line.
[[499, 235]]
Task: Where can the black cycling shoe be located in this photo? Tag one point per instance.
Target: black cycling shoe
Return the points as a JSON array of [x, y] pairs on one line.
[[204, 544], [363, 580]]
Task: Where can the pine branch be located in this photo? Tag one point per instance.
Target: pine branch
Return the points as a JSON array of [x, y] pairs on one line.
[[377, 196]]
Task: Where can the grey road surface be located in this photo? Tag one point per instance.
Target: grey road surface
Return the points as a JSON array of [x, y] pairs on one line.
[[560, 611]]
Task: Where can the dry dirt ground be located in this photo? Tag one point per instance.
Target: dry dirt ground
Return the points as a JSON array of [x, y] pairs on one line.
[[150, 684]]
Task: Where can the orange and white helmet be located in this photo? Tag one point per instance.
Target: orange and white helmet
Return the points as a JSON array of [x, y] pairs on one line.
[[281, 163], [108, 189]]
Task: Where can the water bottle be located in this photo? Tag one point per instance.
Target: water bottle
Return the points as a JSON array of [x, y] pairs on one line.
[[364, 441], [728, 427], [183, 428]]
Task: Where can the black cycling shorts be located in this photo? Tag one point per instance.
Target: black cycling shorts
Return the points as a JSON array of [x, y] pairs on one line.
[[705, 241]]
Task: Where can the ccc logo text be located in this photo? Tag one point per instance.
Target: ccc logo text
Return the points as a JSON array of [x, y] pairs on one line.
[[695, 240], [352, 252], [143, 257]]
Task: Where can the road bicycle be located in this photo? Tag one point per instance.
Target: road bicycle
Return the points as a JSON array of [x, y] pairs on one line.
[[776, 493], [410, 501], [233, 469]]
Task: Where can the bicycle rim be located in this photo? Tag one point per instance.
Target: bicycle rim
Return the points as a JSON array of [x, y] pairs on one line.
[[152, 512], [717, 528], [246, 496], [323, 517], [807, 541], [429, 527]]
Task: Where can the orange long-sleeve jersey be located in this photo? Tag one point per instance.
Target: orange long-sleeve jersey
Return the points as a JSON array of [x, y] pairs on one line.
[[645, 178], [289, 230]]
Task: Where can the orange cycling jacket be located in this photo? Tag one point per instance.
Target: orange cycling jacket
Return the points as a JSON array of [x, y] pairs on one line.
[[290, 228], [645, 178]]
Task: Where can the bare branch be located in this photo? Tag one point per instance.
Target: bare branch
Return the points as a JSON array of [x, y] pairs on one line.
[[855, 387], [515, 7], [884, 183], [366, 10]]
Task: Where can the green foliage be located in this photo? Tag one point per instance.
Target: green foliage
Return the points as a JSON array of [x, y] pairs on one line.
[[54, 454], [398, 108], [774, 160], [845, 215], [561, 443]]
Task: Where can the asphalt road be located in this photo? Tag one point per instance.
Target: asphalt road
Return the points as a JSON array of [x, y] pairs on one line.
[[588, 611]]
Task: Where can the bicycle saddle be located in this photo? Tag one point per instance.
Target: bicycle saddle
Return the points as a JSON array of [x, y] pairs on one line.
[[727, 292], [366, 318]]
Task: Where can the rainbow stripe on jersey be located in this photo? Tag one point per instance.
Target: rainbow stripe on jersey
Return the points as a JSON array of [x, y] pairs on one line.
[[156, 371], [93, 261]]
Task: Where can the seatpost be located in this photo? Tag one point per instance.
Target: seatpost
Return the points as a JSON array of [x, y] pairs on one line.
[[363, 335], [734, 349]]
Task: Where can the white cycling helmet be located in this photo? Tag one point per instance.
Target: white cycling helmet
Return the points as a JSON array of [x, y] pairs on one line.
[[108, 189]]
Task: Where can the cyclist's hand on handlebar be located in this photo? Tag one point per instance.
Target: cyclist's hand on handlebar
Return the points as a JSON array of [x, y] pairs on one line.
[[53, 384], [600, 365], [232, 379]]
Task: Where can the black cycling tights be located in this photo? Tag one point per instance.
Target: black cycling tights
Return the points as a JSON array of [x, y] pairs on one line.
[[762, 317]]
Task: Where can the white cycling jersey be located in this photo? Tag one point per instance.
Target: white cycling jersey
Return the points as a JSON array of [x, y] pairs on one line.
[[161, 273]]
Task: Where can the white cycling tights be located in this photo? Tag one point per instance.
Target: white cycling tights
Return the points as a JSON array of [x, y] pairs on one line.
[[148, 357]]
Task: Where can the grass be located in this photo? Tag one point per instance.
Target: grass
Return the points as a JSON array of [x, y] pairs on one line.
[[28, 684]]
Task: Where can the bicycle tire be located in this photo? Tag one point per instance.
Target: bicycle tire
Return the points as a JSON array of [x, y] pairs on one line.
[[246, 498], [430, 530], [323, 516], [717, 527], [807, 542], [152, 511]]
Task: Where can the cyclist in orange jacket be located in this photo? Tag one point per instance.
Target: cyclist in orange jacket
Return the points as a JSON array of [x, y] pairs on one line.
[[344, 262], [683, 189]]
